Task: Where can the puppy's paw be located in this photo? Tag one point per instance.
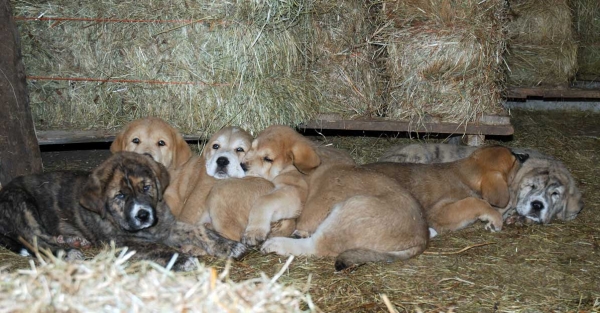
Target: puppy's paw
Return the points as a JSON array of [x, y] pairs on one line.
[[74, 255], [254, 237], [185, 264], [275, 245], [494, 225], [300, 234], [238, 250]]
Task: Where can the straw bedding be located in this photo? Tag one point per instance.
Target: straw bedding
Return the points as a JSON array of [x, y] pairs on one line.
[[109, 282], [587, 26]]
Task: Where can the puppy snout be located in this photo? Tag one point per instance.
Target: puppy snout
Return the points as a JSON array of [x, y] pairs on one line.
[[222, 161], [143, 216], [537, 205]]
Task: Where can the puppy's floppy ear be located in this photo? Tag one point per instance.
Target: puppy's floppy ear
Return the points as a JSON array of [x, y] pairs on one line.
[[182, 151], [494, 189], [305, 156], [574, 202], [119, 143], [92, 195], [161, 177]]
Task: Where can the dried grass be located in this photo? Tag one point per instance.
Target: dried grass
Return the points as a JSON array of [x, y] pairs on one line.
[[444, 59], [587, 26], [109, 282], [542, 49], [242, 59]]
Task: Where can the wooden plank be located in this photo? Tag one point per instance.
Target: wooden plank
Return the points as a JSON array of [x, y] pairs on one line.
[[53, 137], [401, 126], [19, 152], [552, 93]]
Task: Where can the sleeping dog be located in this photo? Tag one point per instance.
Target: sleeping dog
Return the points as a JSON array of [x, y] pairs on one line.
[[120, 201]]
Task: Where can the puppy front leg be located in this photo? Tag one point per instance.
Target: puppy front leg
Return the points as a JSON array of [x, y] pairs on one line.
[[161, 254], [281, 203], [460, 214], [198, 240]]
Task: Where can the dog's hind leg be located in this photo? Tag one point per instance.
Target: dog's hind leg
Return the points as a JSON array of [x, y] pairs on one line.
[[355, 257], [460, 214]]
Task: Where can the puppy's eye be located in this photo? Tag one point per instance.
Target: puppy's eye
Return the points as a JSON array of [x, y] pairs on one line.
[[268, 160], [146, 188], [555, 194], [120, 196], [162, 143], [216, 146], [240, 149], [136, 140]]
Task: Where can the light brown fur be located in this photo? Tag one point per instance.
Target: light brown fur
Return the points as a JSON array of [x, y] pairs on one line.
[[192, 183], [362, 215], [154, 137], [456, 194]]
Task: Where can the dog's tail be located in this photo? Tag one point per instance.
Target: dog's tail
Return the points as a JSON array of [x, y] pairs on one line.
[[359, 256]]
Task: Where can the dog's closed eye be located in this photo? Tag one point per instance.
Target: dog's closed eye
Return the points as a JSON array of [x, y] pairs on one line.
[[268, 160]]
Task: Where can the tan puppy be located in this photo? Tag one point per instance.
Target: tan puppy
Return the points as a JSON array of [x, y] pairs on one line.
[[154, 137], [280, 155], [542, 189], [193, 181], [361, 215], [456, 194]]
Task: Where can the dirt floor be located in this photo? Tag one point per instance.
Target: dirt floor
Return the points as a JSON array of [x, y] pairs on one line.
[[531, 268]]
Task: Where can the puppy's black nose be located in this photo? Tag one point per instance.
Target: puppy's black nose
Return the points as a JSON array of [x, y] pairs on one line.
[[143, 216], [222, 161], [537, 205], [244, 167]]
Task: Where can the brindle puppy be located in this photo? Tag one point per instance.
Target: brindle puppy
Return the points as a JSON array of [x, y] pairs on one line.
[[120, 201]]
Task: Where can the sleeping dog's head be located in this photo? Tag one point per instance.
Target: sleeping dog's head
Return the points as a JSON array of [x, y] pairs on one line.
[[127, 188], [224, 151]]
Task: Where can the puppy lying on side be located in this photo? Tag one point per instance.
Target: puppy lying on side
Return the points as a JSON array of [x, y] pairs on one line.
[[154, 137], [119, 201], [355, 214], [542, 189], [455, 195]]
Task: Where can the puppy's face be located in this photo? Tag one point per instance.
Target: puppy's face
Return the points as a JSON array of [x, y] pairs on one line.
[[278, 148], [156, 138], [127, 189], [224, 152], [545, 192]]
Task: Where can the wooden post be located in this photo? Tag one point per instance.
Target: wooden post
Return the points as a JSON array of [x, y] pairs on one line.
[[19, 150]]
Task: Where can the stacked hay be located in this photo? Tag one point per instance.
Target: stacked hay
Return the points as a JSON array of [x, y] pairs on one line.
[[343, 63], [109, 283], [587, 26], [444, 58], [198, 64], [542, 50]]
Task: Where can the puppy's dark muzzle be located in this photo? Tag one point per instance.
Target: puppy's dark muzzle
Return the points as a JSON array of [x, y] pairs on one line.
[[141, 217]]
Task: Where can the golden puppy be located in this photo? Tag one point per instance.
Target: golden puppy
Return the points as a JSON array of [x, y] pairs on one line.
[[361, 215], [154, 137], [456, 194], [193, 181], [280, 155]]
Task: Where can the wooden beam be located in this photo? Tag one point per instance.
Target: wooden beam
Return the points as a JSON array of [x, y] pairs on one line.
[[552, 93], [54, 137], [19, 152], [400, 126]]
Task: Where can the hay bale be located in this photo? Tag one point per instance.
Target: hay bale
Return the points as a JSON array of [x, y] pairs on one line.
[[444, 59], [542, 50], [110, 283], [587, 26], [226, 63], [343, 62]]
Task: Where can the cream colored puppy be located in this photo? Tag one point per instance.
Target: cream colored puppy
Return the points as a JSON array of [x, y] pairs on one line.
[[193, 181], [154, 137]]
